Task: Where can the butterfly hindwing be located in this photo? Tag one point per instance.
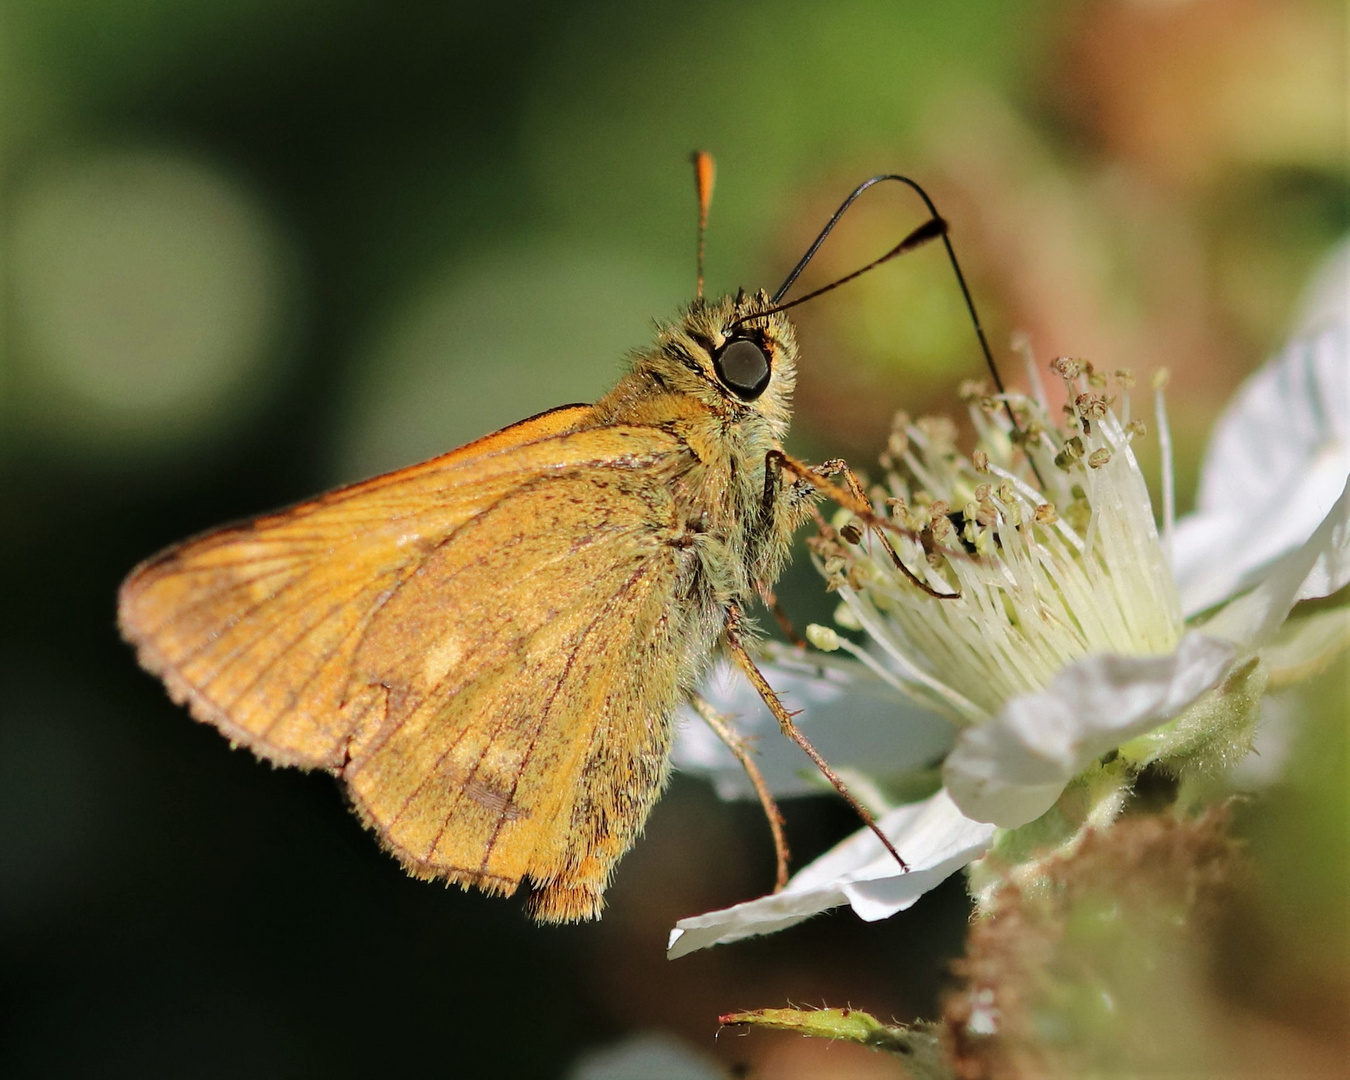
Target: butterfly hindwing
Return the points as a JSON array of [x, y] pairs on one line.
[[538, 707]]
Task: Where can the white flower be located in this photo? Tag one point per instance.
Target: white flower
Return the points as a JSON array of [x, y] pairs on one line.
[[859, 872], [1278, 457], [1074, 635], [647, 1054], [893, 737]]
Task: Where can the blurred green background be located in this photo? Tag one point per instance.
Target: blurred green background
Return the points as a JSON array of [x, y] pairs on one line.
[[253, 250]]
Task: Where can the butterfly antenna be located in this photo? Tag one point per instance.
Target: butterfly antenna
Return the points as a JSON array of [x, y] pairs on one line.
[[704, 174], [932, 229]]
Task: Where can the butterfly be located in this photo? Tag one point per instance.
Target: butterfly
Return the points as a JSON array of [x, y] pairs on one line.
[[489, 648]]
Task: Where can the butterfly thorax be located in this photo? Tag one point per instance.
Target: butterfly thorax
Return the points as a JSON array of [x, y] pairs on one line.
[[718, 485]]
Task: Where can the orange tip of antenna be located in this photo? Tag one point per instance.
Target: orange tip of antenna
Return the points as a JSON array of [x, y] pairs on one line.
[[704, 174]]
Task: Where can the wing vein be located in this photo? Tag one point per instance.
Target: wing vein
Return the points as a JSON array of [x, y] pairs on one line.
[[628, 586]]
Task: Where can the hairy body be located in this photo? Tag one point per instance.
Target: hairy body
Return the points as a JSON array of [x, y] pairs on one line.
[[488, 648]]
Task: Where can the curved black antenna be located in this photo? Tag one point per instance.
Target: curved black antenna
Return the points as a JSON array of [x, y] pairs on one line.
[[928, 231], [829, 228]]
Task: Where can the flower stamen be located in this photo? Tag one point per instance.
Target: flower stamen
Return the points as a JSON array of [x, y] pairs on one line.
[[1059, 571]]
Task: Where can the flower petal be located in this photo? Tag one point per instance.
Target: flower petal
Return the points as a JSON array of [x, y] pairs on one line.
[[1331, 571], [1011, 769], [933, 836], [1318, 568], [1277, 460], [853, 718], [650, 1054], [1326, 298]]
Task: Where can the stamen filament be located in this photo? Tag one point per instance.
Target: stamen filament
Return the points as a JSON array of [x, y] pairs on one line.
[[1061, 569]]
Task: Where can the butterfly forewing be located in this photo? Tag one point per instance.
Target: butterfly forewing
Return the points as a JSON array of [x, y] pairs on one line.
[[489, 733], [254, 625]]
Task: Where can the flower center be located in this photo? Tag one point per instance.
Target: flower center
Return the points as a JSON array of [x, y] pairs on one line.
[[1052, 563]]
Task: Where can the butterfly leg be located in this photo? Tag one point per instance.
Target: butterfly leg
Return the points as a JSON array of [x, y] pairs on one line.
[[768, 511], [770, 601], [853, 499], [736, 647], [722, 728], [839, 467]]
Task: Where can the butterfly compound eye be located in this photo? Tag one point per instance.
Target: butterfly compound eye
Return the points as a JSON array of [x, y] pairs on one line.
[[743, 368]]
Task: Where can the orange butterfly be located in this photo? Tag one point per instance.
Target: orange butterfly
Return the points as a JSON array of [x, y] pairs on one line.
[[488, 648]]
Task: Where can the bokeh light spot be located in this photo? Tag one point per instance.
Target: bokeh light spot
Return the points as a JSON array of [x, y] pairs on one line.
[[488, 344], [148, 291]]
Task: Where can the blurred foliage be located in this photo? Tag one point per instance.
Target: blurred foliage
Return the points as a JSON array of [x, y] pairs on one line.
[[1099, 971], [250, 250], [1216, 945], [1288, 948]]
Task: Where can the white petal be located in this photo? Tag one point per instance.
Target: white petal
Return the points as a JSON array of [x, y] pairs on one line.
[[1272, 745], [1318, 568], [1331, 572], [1326, 299], [1277, 460], [1011, 769], [651, 1055], [932, 836], [853, 718]]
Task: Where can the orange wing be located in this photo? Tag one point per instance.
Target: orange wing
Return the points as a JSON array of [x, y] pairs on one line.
[[485, 647]]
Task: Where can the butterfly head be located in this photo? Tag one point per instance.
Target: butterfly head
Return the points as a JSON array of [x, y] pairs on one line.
[[739, 364]]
